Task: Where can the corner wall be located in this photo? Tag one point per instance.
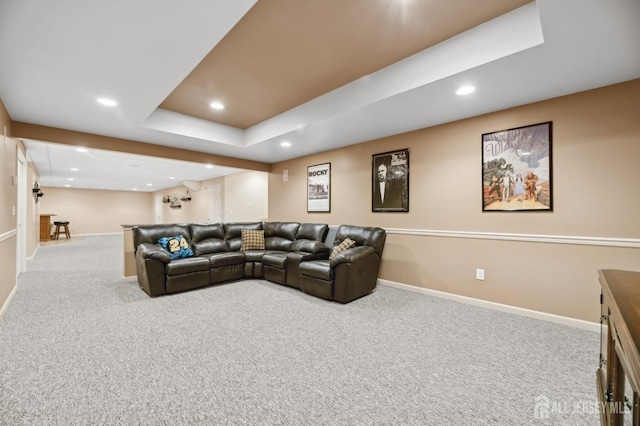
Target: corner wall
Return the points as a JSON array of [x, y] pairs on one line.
[[446, 236]]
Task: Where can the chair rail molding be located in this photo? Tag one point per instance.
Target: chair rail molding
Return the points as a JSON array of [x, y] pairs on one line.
[[534, 238], [6, 235]]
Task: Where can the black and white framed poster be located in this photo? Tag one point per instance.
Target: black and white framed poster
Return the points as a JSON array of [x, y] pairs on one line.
[[390, 181], [319, 188]]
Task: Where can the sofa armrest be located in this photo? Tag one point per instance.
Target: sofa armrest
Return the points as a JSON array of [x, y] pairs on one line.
[[153, 251], [352, 255], [309, 246], [355, 273], [150, 267]]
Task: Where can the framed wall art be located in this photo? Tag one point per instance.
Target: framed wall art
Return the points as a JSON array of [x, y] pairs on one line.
[[516, 169], [390, 181], [319, 188]]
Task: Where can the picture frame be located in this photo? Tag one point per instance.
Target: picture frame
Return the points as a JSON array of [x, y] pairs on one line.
[[390, 182], [517, 169], [319, 188]]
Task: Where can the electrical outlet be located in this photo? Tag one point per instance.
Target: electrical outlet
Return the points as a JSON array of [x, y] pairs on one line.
[[480, 274]]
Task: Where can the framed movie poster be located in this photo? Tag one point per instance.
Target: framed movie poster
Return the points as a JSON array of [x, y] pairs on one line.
[[390, 181], [516, 169], [319, 188]]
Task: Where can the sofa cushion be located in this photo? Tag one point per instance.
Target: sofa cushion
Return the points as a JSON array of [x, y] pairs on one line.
[[177, 246], [225, 259], [309, 246], [344, 245], [185, 266], [233, 233], [208, 238], [317, 269], [152, 233], [276, 260], [209, 246], [279, 235], [363, 236], [252, 240], [200, 232], [312, 231]]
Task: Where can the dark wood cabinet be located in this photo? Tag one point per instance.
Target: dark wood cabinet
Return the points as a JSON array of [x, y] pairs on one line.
[[618, 377]]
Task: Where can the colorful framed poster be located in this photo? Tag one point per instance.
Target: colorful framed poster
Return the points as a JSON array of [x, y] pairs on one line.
[[516, 169]]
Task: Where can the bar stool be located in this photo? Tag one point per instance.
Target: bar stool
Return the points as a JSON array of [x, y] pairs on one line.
[[57, 232]]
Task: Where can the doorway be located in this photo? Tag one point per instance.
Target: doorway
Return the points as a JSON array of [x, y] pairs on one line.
[[214, 203], [158, 209]]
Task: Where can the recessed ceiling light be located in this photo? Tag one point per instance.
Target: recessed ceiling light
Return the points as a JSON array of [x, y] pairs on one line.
[[216, 105], [82, 149], [70, 179], [285, 144], [74, 169], [171, 177], [465, 90], [107, 102], [67, 185], [134, 189], [149, 184], [209, 166]]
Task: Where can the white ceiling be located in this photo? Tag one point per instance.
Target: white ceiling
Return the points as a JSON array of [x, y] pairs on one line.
[[64, 166], [57, 57]]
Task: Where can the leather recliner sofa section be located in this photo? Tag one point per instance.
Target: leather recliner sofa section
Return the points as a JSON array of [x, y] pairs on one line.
[[218, 257], [351, 273]]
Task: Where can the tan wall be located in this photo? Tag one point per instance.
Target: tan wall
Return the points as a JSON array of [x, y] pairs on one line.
[[8, 201], [244, 197], [96, 211], [596, 147]]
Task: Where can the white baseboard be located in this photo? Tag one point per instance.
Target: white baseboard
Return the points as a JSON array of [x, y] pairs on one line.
[[98, 234], [4, 307], [33, 256], [131, 279], [558, 319]]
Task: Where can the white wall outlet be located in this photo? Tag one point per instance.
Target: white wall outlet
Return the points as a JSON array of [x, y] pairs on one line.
[[480, 274]]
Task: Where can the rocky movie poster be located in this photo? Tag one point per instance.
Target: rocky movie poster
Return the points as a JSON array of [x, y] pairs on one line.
[[319, 188], [516, 169]]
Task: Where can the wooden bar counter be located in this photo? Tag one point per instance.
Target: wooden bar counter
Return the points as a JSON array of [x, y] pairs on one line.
[[45, 227]]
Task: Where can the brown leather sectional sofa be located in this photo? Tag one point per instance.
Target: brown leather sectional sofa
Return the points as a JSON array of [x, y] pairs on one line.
[[295, 254]]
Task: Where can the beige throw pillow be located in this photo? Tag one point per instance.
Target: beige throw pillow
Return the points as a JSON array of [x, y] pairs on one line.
[[344, 245], [252, 240]]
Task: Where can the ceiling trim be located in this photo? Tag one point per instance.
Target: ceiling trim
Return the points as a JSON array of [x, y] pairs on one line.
[[501, 37], [88, 140]]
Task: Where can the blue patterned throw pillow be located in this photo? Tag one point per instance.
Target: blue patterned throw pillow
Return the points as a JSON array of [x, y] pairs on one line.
[[178, 247]]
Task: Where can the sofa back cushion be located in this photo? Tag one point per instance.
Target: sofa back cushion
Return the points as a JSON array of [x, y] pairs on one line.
[[208, 238], [233, 233], [152, 233], [312, 231], [363, 236], [310, 238], [279, 235]]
